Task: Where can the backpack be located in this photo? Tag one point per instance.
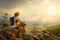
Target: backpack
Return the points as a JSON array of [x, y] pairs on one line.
[[12, 20]]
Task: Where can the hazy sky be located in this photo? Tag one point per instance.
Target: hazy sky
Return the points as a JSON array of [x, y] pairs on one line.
[[33, 10]]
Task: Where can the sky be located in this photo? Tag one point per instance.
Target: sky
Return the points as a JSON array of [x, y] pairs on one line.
[[44, 11]]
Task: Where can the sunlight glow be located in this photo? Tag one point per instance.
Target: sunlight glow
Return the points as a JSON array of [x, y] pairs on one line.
[[51, 9]]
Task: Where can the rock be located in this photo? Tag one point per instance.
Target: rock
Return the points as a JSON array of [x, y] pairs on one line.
[[10, 33]]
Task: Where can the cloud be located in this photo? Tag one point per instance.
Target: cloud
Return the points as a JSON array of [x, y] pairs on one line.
[[11, 3], [16, 3], [31, 10]]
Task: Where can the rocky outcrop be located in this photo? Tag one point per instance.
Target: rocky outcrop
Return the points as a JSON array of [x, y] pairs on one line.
[[9, 33]]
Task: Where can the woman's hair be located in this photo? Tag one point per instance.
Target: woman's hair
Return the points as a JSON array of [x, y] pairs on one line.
[[16, 14]]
